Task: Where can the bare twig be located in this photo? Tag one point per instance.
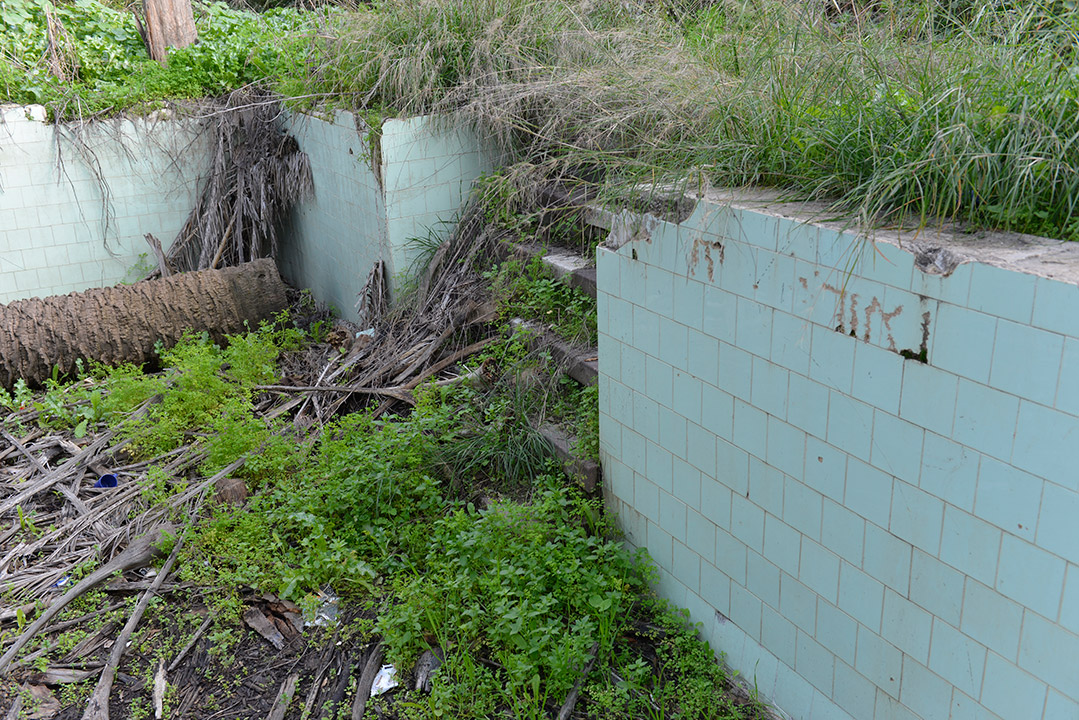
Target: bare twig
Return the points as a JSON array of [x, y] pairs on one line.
[[155, 245], [367, 677], [571, 699], [22, 448], [400, 393], [98, 707], [257, 173], [61, 473], [443, 364], [137, 554], [61, 626], [190, 643], [284, 698]]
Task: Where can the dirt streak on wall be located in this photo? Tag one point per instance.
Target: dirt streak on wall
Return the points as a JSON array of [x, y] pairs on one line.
[[854, 464]]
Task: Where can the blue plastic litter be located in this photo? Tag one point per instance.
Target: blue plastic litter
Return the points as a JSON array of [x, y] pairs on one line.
[[106, 481]]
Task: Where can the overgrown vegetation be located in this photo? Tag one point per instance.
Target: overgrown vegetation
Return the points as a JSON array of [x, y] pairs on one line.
[[527, 290], [902, 111], [419, 518], [898, 111], [83, 57]]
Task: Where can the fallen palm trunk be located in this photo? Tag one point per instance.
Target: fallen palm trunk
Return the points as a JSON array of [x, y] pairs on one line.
[[122, 324]]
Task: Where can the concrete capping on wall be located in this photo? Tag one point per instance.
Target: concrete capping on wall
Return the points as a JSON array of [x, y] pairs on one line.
[[937, 250], [76, 201], [853, 460]]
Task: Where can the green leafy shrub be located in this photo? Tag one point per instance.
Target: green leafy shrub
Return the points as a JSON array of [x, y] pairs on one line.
[[104, 66], [374, 490], [525, 585], [357, 505]]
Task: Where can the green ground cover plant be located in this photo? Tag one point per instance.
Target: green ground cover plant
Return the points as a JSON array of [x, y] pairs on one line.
[[527, 289], [83, 57], [515, 575]]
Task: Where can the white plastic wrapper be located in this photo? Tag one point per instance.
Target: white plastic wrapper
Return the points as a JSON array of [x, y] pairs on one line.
[[385, 680], [326, 613]]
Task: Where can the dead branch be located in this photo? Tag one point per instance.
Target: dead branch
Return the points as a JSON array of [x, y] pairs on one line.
[[400, 393], [257, 173], [159, 254], [90, 643], [190, 643], [443, 364], [367, 677], [571, 699], [160, 686], [138, 554], [284, 698], [60, 627], [61, 473], [344, 665], [98, 707]]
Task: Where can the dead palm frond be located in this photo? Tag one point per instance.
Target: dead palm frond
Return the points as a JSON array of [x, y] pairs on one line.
[[257, 172]]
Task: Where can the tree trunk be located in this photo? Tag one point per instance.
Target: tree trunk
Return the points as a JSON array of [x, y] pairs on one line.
[[169, 23], [122, 324]]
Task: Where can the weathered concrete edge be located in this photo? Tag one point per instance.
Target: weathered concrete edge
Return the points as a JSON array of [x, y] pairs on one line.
[[937, 249]]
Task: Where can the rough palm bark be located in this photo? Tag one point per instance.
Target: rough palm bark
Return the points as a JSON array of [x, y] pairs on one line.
[[123, 323]]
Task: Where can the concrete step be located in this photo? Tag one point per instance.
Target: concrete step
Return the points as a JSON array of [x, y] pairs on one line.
[[573, 269], [582, 470], [581, 364]]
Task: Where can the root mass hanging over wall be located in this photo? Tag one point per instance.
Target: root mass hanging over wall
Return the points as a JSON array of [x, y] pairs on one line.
[[257, 173]]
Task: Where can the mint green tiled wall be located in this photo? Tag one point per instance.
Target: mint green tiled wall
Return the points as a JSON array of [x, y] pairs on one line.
[[863, 535], [333, 238], [428, 171], [369, 207], [76, 201]]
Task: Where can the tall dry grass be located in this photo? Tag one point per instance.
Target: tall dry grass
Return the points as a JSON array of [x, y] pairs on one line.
[[896, 111]]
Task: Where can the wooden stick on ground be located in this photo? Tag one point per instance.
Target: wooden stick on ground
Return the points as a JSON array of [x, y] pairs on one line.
[[367, 677], [433, 370], [394, 392], [284, 698], [137, 554], [344, 666], [26, 453], [443, 364], [191, 643], [571, 699], [98, 707]]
